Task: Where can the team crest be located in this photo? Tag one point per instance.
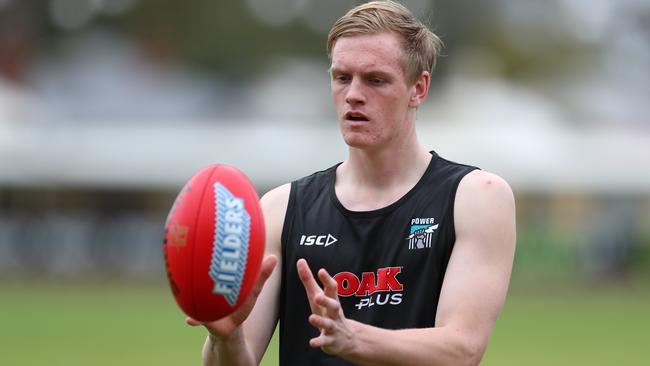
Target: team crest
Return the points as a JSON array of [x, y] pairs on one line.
[[421, 232]]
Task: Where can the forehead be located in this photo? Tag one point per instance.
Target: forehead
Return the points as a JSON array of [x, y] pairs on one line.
[[368, 51]]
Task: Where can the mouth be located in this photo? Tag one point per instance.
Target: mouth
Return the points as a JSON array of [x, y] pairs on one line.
[[356, 117]]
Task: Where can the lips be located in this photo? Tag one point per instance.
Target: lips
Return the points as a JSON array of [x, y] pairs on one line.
[[356, 117]]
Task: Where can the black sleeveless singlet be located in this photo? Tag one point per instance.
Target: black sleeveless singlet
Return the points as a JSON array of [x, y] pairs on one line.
[[389, 263]]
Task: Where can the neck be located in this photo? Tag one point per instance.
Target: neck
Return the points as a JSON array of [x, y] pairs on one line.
[[370, 180], [385, 168]]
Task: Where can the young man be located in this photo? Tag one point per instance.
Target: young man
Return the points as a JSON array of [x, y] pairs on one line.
[[414, 252]]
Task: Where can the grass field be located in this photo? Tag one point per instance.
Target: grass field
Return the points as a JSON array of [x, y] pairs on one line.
[[136, 324]]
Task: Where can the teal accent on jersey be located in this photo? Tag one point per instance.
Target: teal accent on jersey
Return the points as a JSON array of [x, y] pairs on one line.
[[415, 228]]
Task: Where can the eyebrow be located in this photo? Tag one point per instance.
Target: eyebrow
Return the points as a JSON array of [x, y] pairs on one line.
[[374, 71], [332, 69]]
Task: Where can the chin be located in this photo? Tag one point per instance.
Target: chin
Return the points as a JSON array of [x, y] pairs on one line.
[[360, 140]]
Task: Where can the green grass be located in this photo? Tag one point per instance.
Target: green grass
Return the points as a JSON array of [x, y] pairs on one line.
[[95, 324], [138, 324], [573, 326]]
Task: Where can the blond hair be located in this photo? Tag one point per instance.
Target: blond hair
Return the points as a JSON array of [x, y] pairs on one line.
[[420, 46]]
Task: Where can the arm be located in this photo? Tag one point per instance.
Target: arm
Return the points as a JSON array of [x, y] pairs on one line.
[[472, 295], [242, 337]]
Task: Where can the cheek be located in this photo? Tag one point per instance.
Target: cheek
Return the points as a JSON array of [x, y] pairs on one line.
[[389, 109], [338, 96], [396, 106]]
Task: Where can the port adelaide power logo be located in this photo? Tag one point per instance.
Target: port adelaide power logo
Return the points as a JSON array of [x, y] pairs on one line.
[[421, 233]]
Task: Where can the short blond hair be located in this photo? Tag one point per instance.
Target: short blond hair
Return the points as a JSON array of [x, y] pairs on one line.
[[419, 44]]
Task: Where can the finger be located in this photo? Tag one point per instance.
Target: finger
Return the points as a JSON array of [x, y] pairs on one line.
[[269, 263], [320, 322], [329, 284], [307, 278], [225, 326], [332, 306], [309, 283], [321, 341], [192, 322]]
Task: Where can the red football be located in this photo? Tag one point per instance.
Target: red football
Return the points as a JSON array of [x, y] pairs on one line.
[[214, 242]]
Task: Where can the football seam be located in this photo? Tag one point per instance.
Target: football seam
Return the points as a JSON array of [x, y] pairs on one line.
[[194, 249]]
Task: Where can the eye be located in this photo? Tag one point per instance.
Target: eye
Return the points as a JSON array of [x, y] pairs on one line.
[[341, 78], [376, 81]]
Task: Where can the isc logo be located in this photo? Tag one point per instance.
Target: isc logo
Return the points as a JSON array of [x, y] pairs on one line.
[[322, 240]]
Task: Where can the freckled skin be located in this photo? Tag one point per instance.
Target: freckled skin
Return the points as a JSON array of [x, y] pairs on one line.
[[368, 77]]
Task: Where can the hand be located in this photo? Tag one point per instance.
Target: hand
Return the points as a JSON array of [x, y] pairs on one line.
[[336, 332], [225, 327]]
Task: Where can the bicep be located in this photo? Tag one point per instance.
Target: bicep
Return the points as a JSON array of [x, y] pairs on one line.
[[261, 323], [477, 276]]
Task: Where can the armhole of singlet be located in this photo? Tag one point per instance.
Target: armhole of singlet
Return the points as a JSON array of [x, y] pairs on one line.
[[288, 216], [452, 203], [286, 229]]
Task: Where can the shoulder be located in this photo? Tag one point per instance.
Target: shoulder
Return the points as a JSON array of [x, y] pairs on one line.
[[482, 185], [274, 206], [276, 199], [484, 202]]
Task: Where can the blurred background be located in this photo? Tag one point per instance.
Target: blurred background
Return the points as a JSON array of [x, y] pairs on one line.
[[108, 106]]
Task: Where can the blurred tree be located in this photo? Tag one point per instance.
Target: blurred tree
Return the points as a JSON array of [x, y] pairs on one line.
[[220, 35]]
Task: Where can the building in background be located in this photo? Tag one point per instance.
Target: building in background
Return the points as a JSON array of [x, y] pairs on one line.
[[107, 107]]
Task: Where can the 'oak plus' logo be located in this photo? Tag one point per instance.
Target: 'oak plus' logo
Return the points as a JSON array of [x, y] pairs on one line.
[[373, 288]]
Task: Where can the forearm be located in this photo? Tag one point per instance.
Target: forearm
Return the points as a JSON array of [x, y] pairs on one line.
[[232, 351], [428, 346]]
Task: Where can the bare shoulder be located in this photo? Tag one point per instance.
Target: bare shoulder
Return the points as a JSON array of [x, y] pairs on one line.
[[484, 206], [277, 197], [274, 206], [484, 191], [481, 184]]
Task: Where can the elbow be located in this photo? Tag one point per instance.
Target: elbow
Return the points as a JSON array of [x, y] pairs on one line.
[[466, 349], [471, 357], [470, 353]]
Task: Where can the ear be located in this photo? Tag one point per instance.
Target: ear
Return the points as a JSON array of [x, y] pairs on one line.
[[420, 89]]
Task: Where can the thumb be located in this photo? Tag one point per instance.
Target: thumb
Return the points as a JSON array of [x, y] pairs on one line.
[[192, 322]]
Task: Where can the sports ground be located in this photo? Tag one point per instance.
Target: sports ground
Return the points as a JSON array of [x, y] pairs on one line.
[[111, 323]]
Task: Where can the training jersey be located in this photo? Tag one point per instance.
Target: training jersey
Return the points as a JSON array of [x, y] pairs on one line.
[[389, 263]]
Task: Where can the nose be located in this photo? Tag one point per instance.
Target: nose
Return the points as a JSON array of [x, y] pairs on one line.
[[355, 95]]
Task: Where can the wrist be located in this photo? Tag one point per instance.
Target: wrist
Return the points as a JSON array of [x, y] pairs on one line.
[[354, 349], [363, 346], [234, 337]]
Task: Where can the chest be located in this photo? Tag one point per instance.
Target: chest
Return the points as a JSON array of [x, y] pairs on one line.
[[373, 251]]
